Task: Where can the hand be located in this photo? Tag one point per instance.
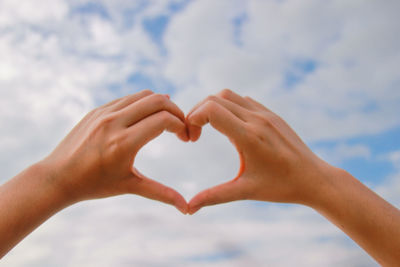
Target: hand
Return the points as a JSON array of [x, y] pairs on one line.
[[96, 159], [275, 164]]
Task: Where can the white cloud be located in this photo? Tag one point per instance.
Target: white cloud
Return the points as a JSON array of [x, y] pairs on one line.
[[390, 189], [56, 65], [54, 70], [342, 152], [354, 45], [150, 238], [33, 11], [394, 157]]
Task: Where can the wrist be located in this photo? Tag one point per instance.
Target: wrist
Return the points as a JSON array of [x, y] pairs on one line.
[[28, 200], [325, 182], [334, 188], [49, 179]]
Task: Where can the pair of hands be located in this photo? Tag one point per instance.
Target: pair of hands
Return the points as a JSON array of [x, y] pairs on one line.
[[96, 158]]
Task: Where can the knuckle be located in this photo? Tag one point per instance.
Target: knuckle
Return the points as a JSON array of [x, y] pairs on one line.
[[212, 98], [273, 119], [211, 105], [265, 119], [106, 120], [225, 93], [146, 92], [98, 111], [92, 113], [129, 98], [165, 116], [160, 100]]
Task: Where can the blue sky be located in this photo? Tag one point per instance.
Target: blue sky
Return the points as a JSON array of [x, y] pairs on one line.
[[376, 168], [328, 68]]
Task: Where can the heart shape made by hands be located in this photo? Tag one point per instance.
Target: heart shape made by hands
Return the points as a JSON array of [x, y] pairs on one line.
[[211, 160]]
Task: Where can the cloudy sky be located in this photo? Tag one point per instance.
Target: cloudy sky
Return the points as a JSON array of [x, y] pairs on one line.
[[330, 68]]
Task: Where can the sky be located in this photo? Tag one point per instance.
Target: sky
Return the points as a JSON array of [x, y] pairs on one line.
[[329, 68]]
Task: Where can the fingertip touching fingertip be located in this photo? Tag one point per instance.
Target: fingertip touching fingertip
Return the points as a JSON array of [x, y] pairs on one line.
[[193, 207], [182, 208], [181, 205], [184, 136], [183, 211], [193, 132], [193, 210]]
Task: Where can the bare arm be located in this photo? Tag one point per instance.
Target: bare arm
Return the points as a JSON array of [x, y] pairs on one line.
[[277, 166], [26, 201], [95, 160], [363, 215]]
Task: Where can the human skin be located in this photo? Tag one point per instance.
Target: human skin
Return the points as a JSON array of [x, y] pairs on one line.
[[95, 160], [277, 166]]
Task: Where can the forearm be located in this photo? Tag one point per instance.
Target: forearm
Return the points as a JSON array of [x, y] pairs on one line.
[[279, 167], [26, 201], [367, 218]]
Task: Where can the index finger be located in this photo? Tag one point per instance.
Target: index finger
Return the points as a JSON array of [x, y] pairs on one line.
[[152, 126], [219, 117]]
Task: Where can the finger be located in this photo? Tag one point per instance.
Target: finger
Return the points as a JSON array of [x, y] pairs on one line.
[[228, 95], [256, 105], [148, 188], [149, 128], [129, 99], [223, 193], [193, 131], [235, 98], [219, 117], [149, 105], [115, 104], [237, 110], [111, 102]]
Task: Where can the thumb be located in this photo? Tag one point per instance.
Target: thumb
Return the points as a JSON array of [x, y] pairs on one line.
[[236, 189], [148, 188]]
